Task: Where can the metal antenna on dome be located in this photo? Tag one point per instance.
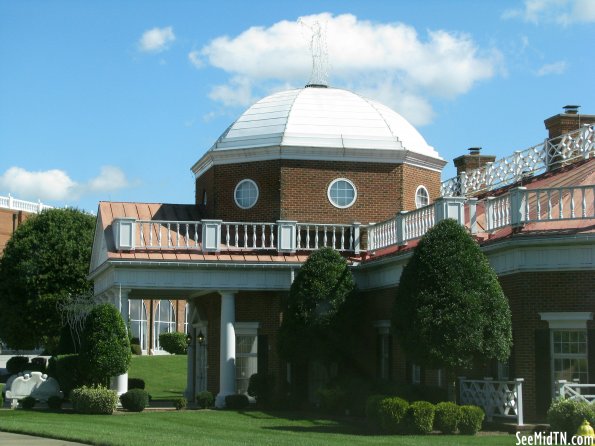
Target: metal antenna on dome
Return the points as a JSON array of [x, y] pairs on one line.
[[318, 48]]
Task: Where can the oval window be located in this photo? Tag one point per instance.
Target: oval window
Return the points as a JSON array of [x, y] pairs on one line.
[[422, 198], [246, 194], [342, 193]]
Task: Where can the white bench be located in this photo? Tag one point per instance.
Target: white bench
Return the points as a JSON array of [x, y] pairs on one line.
[[35, 384]]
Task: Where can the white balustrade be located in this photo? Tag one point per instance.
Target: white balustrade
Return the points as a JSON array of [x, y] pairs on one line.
[[576, 391], [161, 234], [571, 147], [22, 205], [497, 398], [312, 236]]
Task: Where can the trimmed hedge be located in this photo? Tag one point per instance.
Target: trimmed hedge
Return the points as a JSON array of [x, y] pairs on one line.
[[205, 399], [567, 415], [446, 417], [65, 369], [237, 402], [17, 364], [181, 403], [373, 411], [136, 383], [420, 417], [27, 403], [55, 403], [471, 420], [174, 343], [392, 411], [135, 400], [94, 400]]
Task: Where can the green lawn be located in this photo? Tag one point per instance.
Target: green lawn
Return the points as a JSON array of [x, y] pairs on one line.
[[165, 376], [210, 427]]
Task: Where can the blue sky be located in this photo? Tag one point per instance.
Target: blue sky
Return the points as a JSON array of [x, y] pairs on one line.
[[116, 100]]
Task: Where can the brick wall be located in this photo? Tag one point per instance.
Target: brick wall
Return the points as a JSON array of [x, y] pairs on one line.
[[9, 221], [297, 190]]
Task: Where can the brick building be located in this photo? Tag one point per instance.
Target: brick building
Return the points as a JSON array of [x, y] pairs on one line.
[[320, 166]]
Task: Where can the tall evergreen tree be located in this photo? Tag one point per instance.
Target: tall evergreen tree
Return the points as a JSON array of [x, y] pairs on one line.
[[450, 310]]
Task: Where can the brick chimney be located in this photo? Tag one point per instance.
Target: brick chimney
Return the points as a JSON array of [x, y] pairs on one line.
[[474, 160], [570, 119]]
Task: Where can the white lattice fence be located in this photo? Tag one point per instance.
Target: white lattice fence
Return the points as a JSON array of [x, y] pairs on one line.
[[497, 398], [576, 391]]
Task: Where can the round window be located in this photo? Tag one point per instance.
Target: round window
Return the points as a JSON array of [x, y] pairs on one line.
[[246, 194], [342, 193], [422, 198]]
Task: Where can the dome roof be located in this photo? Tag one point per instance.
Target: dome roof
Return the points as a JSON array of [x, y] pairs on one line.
[[322, 117], [320, 123]]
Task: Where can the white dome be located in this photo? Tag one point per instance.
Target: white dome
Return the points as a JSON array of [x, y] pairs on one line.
[[321, 123], [322, 117]]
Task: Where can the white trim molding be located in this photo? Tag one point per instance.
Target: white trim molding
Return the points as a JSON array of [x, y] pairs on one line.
[[567, 320]]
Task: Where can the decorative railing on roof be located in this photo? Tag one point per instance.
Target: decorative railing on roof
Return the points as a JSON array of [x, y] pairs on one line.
[[552, 153], [22, 205]]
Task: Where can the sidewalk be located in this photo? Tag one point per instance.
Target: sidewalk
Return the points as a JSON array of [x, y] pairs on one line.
[[10, 439]]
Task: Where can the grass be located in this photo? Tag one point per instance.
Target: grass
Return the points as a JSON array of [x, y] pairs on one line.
[[164, 376], [210, 427]]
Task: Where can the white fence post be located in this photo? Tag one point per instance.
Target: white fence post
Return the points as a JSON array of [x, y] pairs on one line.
[[519, 400], [286, 236], [401, 229], [472, 203], [211, 235], [518, 197], [356, 237], [124, 232]]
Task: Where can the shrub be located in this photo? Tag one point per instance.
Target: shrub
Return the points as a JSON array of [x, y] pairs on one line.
[[373, 410], [27, 403], [105, 348], [566, 415], [174, 343], [471, 419], [135, 400], [332, 399], [17, 364], [260, 387], [181, 403], [205, 399], [65, 369], [236, 402], [392, 412], [420, 417], [136, 349], [94, 400], [446, 417], [55, 402], [136, 383]]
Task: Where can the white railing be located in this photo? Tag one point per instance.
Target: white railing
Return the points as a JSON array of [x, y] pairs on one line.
[[162, 234], [312, 236], [406, 226], [256, 236], [22, 205], [576, 391], [497, 398], [522, 205], [571, 147]]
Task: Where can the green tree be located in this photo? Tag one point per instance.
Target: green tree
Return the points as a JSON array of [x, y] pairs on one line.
[[105, 346], [319, 322], [45, 262], [450, 310]]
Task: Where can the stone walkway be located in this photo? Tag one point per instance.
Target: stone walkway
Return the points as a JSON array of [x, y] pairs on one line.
[[10, 439]]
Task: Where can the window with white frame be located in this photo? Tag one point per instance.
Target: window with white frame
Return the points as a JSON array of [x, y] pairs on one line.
[[569, 355], [246, 354], [568, 345], [342, 193], [422, 197], [138, 321], [165, 321], [246, 194]]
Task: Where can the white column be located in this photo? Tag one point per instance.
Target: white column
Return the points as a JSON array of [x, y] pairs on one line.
[[190, 393], [227, 349], [120, 383]]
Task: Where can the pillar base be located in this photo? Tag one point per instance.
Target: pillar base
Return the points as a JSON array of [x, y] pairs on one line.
[[220, 400], [119, 383]]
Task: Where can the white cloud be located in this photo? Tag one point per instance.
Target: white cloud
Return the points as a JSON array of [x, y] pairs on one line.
[[156, 40], [194, 58], [390, 62], [552, 68], [56, 184], [562, 12]]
